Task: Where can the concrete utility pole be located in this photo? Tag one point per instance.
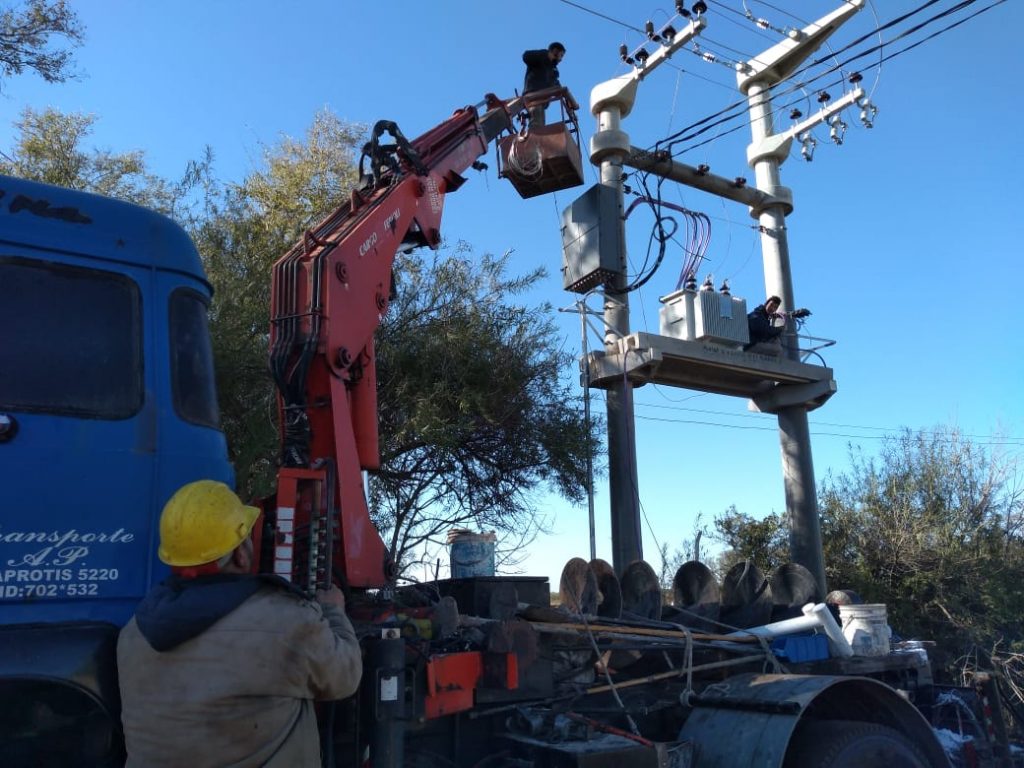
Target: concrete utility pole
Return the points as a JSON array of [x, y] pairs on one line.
[[798, 386], [609, 103], [765, 154], [627, 541]]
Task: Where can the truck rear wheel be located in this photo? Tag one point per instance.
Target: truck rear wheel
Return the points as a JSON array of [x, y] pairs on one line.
[[851, 744]]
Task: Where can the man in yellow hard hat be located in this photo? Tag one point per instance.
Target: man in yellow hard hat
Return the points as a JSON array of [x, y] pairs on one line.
[[220, 666]]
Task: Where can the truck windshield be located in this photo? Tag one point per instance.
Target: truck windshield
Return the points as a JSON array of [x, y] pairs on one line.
[[71, 340]]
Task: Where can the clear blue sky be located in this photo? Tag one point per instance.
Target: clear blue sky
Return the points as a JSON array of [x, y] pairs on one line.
[[902, 240]]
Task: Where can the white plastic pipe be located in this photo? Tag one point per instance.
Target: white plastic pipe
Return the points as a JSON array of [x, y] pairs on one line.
[[815, 617], [837, 642], [786, 627]]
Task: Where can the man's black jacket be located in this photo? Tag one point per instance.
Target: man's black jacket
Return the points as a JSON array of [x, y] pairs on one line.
[[541, 71]]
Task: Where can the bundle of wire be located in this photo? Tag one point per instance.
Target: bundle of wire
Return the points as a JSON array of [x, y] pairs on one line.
[[698, 237], [524, 158]]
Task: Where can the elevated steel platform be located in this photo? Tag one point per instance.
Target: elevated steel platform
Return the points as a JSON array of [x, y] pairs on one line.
[[770, 381]]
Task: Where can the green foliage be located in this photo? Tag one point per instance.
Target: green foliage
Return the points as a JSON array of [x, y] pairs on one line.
[[475, 415], [50, 147], [302, 181], [242, 231], [672, 560], [237, 255], [27, 39], [764, 541], [931, 527], [475, 418]]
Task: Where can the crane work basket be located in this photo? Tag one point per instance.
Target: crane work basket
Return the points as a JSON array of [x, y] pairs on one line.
[[544, 158]]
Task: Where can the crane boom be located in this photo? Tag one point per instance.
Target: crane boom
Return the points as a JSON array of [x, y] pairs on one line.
[[329, 293]]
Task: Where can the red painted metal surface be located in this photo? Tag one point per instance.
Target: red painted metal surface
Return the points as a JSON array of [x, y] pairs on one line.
[[511, 671], [328, 295], [337, 283], [295, 507], [451, 680]]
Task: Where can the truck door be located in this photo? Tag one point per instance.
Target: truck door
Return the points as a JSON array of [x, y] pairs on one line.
[[79, 420]]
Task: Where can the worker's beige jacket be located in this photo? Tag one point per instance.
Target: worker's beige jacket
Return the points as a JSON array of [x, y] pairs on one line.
[[241, 693]]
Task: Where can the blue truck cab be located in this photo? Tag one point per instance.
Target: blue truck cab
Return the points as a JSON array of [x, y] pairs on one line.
[[107, 406]]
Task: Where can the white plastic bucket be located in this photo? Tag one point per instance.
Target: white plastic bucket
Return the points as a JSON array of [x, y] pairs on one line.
[[471, 554], [866, 627]]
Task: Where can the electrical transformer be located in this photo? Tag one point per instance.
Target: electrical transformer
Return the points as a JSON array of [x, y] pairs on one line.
[[705, 315]]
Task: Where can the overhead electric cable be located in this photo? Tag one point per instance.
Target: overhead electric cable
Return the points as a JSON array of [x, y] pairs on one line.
[[691, 73], [746, 56], [603, 16], [747, 27], [679, 138], [728, 8], [780, 10], [768, 416], [990, 442], [738, 127], [743, 103], [877, 30]]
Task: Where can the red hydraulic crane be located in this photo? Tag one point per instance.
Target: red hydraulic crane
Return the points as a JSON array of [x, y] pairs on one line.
[[329, 293]]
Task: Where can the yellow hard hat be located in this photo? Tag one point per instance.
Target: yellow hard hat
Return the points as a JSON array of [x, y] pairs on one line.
[[202, 522]]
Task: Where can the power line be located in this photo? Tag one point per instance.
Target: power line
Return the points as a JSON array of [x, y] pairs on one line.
[[781, 10], [699, 77], [892, 430], [679, 135], [729, 8], [738, 127], [603, 16], [697, 422], [747, 27], [765, 24], [867, 52], [888, 432], [942, 31], [639, 31], [730, 49]]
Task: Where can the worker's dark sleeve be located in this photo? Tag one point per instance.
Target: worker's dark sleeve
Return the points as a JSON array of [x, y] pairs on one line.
[[535, 58], [760, 327]]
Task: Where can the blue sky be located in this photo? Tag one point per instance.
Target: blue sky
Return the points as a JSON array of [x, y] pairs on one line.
[[902, 241]]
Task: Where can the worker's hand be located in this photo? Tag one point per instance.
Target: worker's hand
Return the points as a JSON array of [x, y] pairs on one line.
[[332, 596]]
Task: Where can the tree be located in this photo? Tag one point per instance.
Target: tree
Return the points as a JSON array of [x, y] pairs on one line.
[[476, 418], [26, 39], [50, 146], [242, 231], [764, 541], [671, 560], [475, 413], [931, 527]]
